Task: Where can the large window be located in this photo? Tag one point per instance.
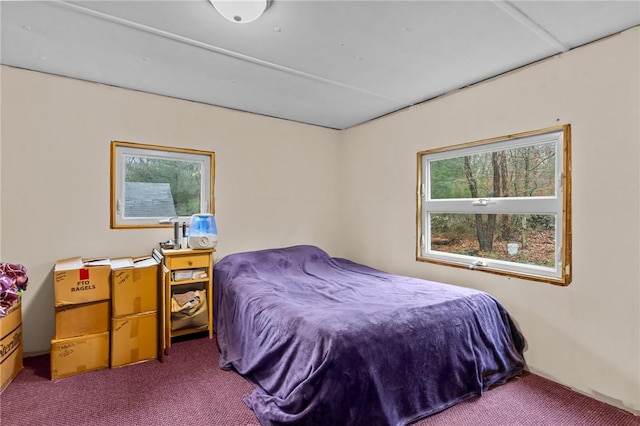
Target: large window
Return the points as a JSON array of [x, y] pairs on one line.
[[152, 186], [500, 205]]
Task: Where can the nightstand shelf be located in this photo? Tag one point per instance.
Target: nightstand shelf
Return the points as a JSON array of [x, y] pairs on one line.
[[185, 271]]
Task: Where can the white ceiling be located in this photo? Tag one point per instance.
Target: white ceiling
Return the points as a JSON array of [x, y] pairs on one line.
[[334, 64]]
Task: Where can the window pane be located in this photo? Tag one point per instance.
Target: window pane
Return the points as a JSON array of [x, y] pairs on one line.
[[528, 239], [525, 171], [156, 187]]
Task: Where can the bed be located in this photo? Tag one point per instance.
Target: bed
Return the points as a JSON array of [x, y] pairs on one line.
[[327, 341]]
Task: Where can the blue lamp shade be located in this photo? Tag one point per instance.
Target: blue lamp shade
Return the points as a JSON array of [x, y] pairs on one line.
[[203, 232]]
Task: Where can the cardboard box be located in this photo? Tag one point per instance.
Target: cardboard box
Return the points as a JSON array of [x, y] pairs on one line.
[[134, 286], [78, 355], [85, 318], [10, 345], [78, 280], [134, 338]]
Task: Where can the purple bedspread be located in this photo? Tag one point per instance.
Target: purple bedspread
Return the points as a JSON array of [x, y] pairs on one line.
[[330, 342]]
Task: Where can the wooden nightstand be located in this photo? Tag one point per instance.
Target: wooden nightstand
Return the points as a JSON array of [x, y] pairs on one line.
[[184, 272]]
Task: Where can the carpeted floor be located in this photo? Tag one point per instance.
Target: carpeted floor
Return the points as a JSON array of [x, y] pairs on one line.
[[190, 389]]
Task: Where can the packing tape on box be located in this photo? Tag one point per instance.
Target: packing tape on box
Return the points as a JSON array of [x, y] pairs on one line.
[[135, 327], [137, 304]]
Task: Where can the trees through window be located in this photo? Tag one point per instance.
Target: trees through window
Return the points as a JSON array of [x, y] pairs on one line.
[[152, 185], [500, 205]]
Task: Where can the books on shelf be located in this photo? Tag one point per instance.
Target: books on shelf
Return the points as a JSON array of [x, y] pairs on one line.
[[189, 274]]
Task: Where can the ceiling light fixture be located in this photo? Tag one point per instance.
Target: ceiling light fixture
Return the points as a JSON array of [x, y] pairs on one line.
[[241, 11]]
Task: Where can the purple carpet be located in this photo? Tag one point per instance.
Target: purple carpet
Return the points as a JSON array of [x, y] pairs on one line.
[[190, 389]]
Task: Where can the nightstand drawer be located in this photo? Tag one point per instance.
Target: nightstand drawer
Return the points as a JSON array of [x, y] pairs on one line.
[[190, 261]]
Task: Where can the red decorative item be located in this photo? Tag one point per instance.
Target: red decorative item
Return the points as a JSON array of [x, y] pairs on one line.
[[84, 274]]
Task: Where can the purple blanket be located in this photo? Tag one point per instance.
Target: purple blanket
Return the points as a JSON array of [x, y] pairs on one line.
[[330, 342]]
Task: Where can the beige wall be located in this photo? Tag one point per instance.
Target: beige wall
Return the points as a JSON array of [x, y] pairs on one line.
[[587, 335], [274, 178], [352, 192], [1, 103]]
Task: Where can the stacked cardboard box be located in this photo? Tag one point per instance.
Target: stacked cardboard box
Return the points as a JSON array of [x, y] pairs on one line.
[[82, 293], [134, 322], [10, 345]]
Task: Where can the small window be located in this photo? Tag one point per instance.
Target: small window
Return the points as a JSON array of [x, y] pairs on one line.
[[152, 186], [500, 205]]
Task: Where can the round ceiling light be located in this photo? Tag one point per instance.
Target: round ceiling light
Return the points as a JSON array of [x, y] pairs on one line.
[[240, 11]]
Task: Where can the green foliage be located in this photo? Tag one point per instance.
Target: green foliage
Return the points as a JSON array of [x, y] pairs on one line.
[[440, 223], [448, 180], [452, 226], [540, 222], [522, 172]]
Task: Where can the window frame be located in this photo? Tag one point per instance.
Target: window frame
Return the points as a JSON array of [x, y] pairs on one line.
[[560, 203], [119, 149]]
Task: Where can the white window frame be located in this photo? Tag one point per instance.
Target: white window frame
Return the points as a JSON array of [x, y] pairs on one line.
[[119, 150], [558, 205]]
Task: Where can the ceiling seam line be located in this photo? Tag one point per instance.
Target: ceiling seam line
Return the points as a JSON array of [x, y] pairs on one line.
[[532, 25], [219, 50]]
